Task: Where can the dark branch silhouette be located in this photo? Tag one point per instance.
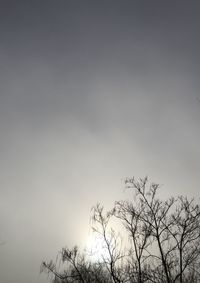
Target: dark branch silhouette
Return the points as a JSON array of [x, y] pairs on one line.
[[163, 242]]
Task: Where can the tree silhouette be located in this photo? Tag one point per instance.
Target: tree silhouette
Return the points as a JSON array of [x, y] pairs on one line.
[[163, 241]]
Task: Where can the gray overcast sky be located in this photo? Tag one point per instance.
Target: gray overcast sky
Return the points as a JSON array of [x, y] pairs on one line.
[[90, 92]]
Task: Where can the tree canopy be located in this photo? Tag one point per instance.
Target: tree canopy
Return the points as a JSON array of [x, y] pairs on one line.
[[158, 241]]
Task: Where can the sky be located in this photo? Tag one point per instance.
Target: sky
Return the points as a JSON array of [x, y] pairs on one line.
[[91, 92]]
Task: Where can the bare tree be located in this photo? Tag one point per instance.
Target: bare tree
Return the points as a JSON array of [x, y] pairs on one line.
[[113, 253], [185, 230], [139, 233], [153, 212], [175, 226], [163, 246], [76, 269]]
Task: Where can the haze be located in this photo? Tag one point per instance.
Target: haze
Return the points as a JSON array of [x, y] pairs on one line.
[[91, 92]]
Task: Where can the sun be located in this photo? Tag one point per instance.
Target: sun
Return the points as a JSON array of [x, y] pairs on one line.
[[95, 247]]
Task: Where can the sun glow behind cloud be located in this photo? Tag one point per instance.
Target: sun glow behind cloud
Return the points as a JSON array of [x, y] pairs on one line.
[[95, 248]]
